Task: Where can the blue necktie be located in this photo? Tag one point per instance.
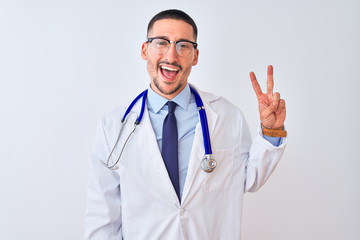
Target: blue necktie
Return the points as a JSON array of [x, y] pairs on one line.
[[170, 147]]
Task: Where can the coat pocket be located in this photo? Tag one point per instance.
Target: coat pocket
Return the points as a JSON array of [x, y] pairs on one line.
[[221, 177]]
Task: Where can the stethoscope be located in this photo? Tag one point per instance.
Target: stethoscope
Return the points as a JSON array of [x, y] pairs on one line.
[[208, 164]]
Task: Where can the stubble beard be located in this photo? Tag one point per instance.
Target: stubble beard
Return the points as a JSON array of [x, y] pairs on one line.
[[169, 92]]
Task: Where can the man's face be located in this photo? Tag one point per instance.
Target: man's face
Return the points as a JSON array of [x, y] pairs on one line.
[[169, 72]]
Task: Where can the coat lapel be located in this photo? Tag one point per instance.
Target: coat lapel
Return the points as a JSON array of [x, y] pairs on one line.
[[147, 142], [198, 150]]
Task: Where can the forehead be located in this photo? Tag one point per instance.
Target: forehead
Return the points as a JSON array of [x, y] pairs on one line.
[[172, 29]]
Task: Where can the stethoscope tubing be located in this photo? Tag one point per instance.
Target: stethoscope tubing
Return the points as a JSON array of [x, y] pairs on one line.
[[138, 120], [203, 121], [208, 162]]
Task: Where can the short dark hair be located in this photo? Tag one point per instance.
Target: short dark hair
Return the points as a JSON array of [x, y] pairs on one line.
[[173, 14]]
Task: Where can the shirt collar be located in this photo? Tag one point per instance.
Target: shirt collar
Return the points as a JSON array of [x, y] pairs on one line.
[[156, 102]]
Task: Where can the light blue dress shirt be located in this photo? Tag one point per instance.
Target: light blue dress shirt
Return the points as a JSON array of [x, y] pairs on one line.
[[186, 114]]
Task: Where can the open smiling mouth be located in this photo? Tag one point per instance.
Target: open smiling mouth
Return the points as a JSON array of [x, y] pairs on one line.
[[169, 72]]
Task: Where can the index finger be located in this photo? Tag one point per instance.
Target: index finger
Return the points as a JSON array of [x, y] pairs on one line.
[[255, 84], [270, 80]]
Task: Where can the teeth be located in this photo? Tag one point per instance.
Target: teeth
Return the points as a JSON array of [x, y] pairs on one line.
[[169, 69]]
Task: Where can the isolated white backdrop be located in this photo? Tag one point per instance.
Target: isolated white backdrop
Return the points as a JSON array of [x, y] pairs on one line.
[[64, 64]]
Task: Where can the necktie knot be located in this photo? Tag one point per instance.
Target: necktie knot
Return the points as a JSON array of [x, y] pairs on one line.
[[171, 106]]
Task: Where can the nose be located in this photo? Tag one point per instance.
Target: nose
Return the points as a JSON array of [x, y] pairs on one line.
[[171, 53]]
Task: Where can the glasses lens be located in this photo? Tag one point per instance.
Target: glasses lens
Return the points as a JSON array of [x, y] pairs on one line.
[[184, 48], [160, 46]]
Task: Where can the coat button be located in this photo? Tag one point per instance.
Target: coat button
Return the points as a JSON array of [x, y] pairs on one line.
[[181, 212]]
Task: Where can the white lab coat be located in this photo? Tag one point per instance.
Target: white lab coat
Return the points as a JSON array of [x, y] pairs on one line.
[[138, 201]]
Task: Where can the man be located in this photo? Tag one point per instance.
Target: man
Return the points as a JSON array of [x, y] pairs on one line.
[[143, 197]]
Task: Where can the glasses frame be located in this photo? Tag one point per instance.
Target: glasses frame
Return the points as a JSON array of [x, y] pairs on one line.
[[149, 40]]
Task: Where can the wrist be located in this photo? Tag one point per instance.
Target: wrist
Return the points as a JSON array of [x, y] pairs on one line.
[[273, 132]]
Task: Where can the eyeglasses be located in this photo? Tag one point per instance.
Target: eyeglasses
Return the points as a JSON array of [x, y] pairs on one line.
[[184, 48]]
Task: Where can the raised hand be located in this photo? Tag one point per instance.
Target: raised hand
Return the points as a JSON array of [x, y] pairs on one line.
[[271, 108]]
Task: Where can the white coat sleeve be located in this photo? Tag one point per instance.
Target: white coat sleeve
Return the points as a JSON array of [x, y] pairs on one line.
[[262, 161], [103, 213]]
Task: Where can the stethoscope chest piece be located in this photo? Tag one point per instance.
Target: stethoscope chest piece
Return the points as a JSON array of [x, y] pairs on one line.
[[208, 164]]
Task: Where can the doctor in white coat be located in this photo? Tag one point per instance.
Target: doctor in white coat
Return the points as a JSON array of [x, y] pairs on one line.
[[138, 200]]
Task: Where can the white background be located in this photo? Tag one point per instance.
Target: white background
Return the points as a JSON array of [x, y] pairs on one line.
[[64, 64]]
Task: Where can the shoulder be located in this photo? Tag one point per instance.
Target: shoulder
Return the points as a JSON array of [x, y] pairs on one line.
[[226, 118], [115, 115], [220, 104]]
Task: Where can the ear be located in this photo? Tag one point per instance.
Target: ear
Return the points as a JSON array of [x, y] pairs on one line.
[[144, 50], [196, 57]]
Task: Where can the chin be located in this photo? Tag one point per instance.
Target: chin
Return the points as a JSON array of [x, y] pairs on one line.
[[166, 88]]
